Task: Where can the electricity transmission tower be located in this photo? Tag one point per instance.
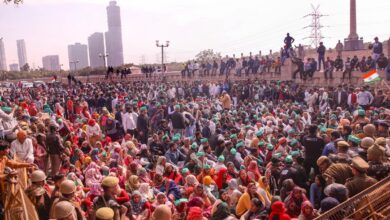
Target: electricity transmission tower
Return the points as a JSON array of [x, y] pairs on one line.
[[315, 35]]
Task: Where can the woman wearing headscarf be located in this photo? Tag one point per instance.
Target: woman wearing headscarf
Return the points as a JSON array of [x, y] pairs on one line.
[[166, 186], [256, 212], [307, 211], [195, 213], [220, 211], [263, 184], [190, 183], [317, 191], [40, 153], [199, 192], [143, 176], [146, 192], [171, 173], [231, 169], [132, 184], [93, 131], [222, 179], [243, 179], [161, 199], [59, 109], [140, 207], [278, 211], [253, 171], [287, 186], [160, 166], [244, 203], [132, 169], [294, 202], [92, 174]]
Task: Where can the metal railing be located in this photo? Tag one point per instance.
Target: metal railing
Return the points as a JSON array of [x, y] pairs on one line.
[[372, 203]]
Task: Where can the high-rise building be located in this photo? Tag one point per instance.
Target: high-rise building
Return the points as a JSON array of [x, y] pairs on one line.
[[22, 55], [114, 35], [14, 67], [78, 56], [51, 63], [96, 47], [3, 63]]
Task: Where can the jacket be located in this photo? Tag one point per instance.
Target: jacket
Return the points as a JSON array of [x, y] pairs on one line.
[[53, 143], [178, 121]]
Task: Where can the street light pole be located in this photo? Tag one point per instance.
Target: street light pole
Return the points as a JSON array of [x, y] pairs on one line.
[[75, 64], [104, 56], [162, 53]]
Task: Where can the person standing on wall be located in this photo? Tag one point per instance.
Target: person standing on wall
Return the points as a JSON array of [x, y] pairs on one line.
[[321, 55]]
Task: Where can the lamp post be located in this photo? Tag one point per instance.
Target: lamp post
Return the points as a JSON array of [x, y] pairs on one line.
[[104, 57], [162, 52], [59, 73], [74, 62]]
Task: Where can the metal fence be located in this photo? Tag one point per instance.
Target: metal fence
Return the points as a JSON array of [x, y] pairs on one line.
[[372, 203]]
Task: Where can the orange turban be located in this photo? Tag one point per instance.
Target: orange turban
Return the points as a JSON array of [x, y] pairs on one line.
[[21, 135]]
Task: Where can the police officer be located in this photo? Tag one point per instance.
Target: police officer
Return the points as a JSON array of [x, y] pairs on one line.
[[360, 181], [104, 214], [108, 199], [39, 195], [334, 172], [67, 190], [55, 194], [383, 128], [377, 168], [64, 210], [342, 155], [364, 145]]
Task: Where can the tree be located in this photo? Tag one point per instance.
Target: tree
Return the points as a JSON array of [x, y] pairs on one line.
[[25, 67], [208, 55]]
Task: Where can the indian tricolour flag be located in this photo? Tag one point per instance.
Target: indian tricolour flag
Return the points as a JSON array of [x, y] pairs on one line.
[[371, 77]]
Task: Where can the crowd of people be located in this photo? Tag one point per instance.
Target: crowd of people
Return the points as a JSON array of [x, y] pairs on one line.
[[238, 67], [192, 151], [305, 66]]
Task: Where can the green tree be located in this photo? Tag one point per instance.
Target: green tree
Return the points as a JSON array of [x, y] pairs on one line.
[[208, 55], [25, 67]]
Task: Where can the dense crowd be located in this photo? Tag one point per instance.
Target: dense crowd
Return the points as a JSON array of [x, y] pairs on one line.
[[192, 151]]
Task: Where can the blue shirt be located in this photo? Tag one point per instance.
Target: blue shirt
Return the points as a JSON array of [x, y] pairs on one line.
[[328, 149]]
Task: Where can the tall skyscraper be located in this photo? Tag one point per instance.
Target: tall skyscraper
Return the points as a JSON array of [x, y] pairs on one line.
[[114, 35], [3, 63], [51, 63], [22, 55], [78, 52], [96, 47]]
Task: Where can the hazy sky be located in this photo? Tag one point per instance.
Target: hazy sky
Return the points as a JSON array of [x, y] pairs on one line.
[[227, 26]]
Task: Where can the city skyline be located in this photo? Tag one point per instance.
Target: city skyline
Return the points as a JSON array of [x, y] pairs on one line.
[[225, 26]]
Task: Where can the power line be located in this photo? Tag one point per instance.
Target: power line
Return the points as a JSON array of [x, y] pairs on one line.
[[315, 35]]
